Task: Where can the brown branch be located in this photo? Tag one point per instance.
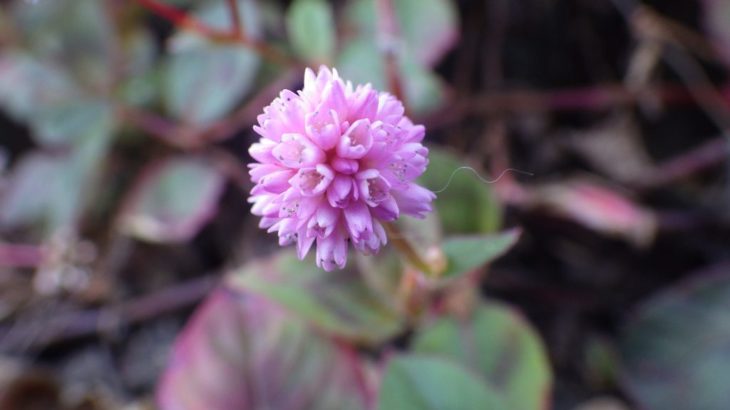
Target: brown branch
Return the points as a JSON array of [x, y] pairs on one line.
[[37, 335], [679, 43], [647, 20], [709, 154]]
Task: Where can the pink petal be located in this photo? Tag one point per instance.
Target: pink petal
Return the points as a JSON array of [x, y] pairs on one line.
[[415, 200], [312, 181], [358, 220], [357, 141], [339, 193]]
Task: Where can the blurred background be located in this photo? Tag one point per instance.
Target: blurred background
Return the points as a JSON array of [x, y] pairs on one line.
[[124, 130]]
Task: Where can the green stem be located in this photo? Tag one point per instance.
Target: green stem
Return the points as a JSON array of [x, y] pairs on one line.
[[407, 251]]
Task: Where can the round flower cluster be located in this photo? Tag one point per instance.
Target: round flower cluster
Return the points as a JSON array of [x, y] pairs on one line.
[[333, 163]]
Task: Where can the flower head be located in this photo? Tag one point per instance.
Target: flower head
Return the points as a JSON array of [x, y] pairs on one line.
[[333, 163]]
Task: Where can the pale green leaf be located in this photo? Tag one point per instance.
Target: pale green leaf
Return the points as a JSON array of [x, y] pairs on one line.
[[501, 346], [465, 254], [311, 30], [418, 382]]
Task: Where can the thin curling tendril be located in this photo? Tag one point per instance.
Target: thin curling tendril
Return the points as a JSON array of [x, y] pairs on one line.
[[481, 178]]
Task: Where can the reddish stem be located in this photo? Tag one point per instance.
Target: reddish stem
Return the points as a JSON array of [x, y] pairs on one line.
[[390, 33], [184, 20], [355, 363], [236, 18], [64, 327]]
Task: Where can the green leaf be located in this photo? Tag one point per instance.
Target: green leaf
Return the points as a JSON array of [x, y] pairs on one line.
[[467, 205], [66, 122], [429, 28], [76, 34], [242, 352], [499, 344], [28, 84], [361, 62], [42, 95], [423, 89], [141, 85], [337, 302], [464, 254], [202, 84], [216, 14], [174, 199], [675, 349], [311, 30], [203, 81], [417, 382]]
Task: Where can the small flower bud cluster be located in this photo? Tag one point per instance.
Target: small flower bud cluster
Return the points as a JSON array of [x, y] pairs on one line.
[[333, 163]]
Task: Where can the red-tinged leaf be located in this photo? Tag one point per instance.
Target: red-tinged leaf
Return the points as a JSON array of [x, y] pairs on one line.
[[599, 208], [337, 302], [615, 148], [241, 352], [173, 199]]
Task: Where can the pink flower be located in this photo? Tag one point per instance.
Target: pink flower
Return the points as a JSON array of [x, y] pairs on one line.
[[333, 163]]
